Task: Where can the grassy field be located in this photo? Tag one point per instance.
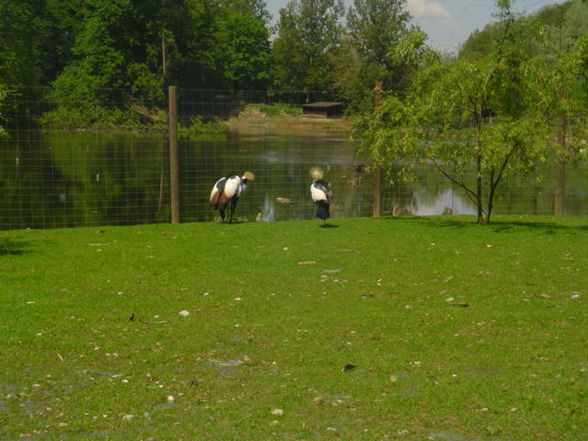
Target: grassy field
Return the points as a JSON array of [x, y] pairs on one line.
[[248, 331]]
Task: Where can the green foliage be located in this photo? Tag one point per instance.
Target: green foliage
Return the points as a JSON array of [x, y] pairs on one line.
[[559, 69], [3, 94], [309, 34], [22, 54], [107, 48], [97, 116], [246, 58], [98, 56], [200, 127], [83, 102], [279, 109], [493, 111], [20, 49], [560, 25], [375, 28], [480, 43], [410, 55], [465, 116]]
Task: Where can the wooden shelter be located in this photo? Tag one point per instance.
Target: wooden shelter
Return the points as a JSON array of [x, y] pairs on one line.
[[326, 109]]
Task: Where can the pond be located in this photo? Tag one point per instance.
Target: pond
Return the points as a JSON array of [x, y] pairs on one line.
[[81, 178]]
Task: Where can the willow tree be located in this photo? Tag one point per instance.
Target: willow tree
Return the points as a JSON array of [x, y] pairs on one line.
[[560, 66], [477, 122]]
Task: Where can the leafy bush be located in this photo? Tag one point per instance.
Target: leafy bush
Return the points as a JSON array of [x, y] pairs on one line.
[[81, 100], [278, 109], [3, 94], [89, 116], [201, 127]]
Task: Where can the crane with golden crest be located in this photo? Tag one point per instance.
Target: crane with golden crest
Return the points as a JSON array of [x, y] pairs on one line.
[[226, 192], [320, 191]]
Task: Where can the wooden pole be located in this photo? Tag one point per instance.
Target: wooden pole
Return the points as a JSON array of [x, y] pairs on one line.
[[377, 206], [560, 179], [163, 55], [174, 161], [560, 166]]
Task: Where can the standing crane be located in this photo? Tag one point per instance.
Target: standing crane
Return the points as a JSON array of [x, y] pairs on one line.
[[227, 190], [321, 194]]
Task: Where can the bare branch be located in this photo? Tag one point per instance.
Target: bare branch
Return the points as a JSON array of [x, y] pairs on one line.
[[470, 193]]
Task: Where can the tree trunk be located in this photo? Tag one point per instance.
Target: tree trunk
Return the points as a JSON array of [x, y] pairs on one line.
[[480, 218], [493, 185], [560, 169], [558, 197], [559, 194]]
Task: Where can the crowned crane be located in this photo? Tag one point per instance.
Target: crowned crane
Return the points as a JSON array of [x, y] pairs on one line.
[[226, 191], [321, 194]]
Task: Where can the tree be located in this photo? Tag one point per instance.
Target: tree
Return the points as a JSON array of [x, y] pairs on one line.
[[410, 54], [480, 43], [65, 20], [21, 54], [552, 43], [475, 121], [244, 37], [3, 94], [125, 52], [188, 30], [105, 50], [308, 35], [375, 28], [561, 78]]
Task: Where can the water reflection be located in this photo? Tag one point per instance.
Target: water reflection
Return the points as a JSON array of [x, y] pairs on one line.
[[447, 201], [268, 213], [62, 179]]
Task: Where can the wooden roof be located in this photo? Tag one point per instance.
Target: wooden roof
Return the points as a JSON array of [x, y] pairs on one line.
[[323, 104]]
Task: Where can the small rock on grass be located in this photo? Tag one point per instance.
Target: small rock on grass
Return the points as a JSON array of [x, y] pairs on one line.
[[348, 367], [318, 400]]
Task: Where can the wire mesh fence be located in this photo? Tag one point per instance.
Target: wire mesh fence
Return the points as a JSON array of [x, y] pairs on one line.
[[62, 178], [51, 178]]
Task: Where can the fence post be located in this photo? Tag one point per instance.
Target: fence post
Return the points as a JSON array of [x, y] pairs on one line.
[[560, 167], [560, 179], [377, 207], [174, 161]]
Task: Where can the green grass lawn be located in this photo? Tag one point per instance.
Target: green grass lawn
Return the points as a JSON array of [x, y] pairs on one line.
[[459, 331]]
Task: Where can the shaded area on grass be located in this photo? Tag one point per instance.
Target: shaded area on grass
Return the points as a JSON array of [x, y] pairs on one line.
[[495, 226], [13, 247]]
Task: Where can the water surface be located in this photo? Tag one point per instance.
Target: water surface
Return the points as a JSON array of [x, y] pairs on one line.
[[63, 179]]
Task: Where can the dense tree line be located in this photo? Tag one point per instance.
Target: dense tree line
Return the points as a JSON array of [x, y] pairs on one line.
[[93, 58], [91, 52]]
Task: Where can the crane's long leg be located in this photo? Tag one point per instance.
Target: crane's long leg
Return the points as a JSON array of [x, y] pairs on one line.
[[234, 201]]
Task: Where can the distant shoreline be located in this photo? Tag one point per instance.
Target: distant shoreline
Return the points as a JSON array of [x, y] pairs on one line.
[[243, 124], [288, 124]]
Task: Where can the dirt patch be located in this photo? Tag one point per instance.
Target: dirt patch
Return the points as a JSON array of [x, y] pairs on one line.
[[259, 122]]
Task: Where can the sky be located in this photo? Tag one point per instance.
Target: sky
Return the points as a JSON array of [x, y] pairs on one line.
[[448, 23]]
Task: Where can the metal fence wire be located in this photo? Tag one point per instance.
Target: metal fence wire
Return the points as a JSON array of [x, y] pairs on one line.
[[66, 177]]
